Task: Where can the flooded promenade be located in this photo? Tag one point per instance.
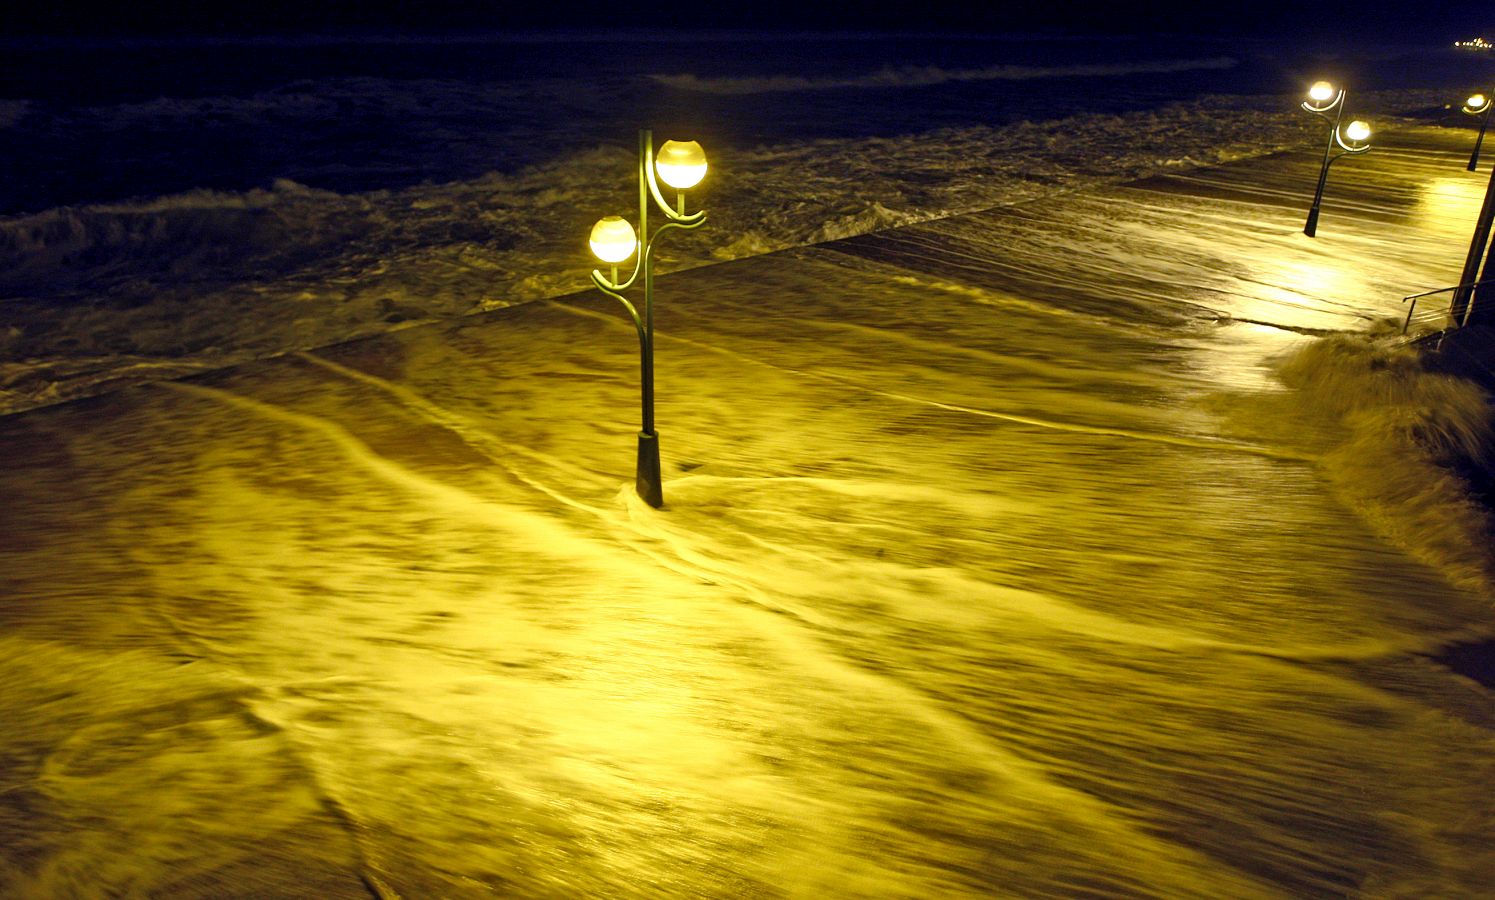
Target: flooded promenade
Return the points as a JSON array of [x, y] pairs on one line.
[[1040, 552]]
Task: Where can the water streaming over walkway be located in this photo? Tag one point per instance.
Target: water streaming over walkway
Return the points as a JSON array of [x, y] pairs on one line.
[[1025, 553]]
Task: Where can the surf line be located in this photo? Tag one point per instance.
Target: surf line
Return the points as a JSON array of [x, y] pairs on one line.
[[1198, 443]]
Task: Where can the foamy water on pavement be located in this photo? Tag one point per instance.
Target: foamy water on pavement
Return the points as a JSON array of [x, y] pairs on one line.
[[1017, 553]]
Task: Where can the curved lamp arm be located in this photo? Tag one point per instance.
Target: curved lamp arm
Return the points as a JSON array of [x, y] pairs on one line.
[[608, 286], [646, 257], [609, 289], [696, 220], [1326, 108]]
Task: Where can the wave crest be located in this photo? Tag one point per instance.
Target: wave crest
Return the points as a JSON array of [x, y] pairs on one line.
[[201, 231], [925, 76], [1409, 435]]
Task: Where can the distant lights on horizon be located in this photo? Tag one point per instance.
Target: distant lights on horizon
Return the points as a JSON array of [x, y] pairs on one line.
[[1478, 43]]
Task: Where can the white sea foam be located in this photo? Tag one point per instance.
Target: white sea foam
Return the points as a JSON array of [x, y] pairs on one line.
[[206, 277], [926, 76], [1403, 435]]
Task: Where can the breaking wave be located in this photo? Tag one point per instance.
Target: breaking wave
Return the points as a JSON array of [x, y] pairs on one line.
[[1407, 439], [248, 234], [926, 76]]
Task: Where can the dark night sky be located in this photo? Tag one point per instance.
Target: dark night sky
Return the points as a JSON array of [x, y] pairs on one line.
[[168, 17]]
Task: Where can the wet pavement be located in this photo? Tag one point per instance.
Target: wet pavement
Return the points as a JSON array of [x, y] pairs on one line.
[[999, 557]]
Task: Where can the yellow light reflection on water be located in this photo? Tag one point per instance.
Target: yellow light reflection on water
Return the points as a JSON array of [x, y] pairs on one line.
[[1304, 292], [1449, 205], [1314, 278], [1283, 296]]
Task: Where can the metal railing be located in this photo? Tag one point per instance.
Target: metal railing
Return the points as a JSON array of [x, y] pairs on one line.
[[1428, 317]]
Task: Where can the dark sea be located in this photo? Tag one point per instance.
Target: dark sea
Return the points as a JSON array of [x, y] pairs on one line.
[[91, 121]]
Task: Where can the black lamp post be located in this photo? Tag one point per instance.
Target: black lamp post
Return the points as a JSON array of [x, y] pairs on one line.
[[681, 165], [1479, 105], [1327, 103]]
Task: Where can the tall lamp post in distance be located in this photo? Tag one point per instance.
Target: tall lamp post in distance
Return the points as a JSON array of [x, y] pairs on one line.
[[1479, 105], [681, 165], [1327, 102]]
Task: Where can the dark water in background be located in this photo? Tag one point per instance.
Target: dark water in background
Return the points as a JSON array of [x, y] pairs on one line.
[[106, 121]]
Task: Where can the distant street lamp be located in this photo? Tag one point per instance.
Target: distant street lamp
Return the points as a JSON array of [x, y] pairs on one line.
[[681, 165], [1323, 100], [1479, 105]]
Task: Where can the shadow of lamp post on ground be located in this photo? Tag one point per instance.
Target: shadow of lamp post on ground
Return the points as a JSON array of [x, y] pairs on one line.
[[681, 165], [1479, 105], [1327, 102]]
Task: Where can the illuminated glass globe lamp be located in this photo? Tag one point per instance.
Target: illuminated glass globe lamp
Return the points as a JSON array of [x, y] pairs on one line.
[[681, 165], [1326, 101], [1478, 105], [613, 240]]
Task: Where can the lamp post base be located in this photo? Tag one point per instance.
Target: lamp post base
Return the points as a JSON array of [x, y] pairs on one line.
[[1312, 226], [648, 483]]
